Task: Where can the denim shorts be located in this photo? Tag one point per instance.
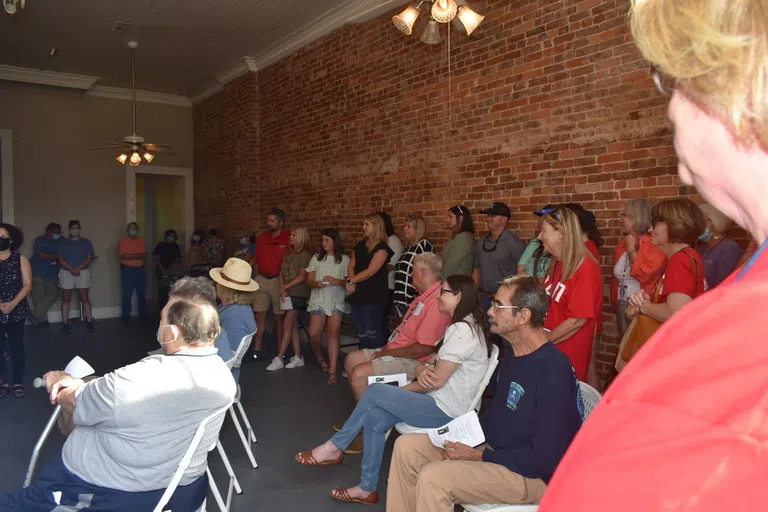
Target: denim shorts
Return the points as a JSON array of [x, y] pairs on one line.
[[319, 311]]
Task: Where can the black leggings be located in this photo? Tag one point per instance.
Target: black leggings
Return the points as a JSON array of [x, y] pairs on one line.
[[15, 332]]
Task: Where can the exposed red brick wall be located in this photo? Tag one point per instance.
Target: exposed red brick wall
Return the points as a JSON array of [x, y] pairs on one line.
[[549, 101]]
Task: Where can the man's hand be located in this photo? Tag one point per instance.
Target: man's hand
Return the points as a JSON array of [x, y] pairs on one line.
[[63, 392], [460, 451], [378, 354], [53, 377]]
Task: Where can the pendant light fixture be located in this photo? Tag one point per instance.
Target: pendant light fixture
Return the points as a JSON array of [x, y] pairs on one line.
[[440, 11]]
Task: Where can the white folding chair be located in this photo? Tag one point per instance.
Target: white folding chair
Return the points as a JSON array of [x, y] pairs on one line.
[[205, 439], [235, 362], [589, 397], [493, 361]]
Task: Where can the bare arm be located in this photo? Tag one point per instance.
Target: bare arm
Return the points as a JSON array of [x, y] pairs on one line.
[[566, 329], [412, 351], [430, 379], [662, 312]]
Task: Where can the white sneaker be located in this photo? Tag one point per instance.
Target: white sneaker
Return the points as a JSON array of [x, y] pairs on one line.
[[276, 364], [295, 362]]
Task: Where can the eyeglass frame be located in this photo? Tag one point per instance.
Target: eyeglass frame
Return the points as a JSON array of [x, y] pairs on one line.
[[452, 292], [658, 80], [495, 305]]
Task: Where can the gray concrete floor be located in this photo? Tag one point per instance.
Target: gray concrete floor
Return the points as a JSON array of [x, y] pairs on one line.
[[290, 410]]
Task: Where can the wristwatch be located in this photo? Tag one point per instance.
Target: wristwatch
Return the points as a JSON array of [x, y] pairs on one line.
[[349, 281]]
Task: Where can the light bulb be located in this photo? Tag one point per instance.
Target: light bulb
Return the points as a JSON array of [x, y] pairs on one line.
[[443, 11], [122, 158], [135, 159], [10, 6], [405, 20], [149, 157], [469, 18]]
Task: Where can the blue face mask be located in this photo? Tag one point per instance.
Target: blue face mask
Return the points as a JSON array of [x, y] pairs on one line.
[[706, 236], [132, 232], [170, 239], [243, 241], [56, 236]]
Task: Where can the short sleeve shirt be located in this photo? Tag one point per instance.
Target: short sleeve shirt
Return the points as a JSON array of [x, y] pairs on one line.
[[375, 289], [40, 267], [75, 252], [678, 277], [578, 297], [331, 298], [131, 245], [423, 323], [497, 259], [167, 253], [270, 251], [292, 265]]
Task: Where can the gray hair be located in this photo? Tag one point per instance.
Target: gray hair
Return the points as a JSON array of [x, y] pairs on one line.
[[529, 294], [429, 261], [640, 212], [203, 285], [720, 222], [196, 317]]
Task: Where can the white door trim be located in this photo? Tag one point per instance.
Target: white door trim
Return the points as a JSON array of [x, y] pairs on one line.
[[189, 192], [6, 138]]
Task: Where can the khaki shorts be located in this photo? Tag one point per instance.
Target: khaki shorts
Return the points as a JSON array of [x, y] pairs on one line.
[[267, 295], [68, 282], [389, 365]]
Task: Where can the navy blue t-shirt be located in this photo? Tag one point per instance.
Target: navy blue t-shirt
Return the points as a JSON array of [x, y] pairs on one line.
[[536, 412], [75, 252], [41, 268]]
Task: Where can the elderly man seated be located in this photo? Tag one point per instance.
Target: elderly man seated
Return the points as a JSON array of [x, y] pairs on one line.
[[411, 344], [132, 426], [527, 430]]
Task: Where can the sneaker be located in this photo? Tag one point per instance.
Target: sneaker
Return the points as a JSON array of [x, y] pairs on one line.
[[90, 327], [295, 362], [67, 328], [276, 364]]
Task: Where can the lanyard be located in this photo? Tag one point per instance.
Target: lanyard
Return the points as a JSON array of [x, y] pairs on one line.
[[751, 261]]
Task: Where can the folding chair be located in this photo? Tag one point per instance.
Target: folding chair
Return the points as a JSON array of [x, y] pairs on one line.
[[205, 439], [235, 362], [493, 361], [589, 397]]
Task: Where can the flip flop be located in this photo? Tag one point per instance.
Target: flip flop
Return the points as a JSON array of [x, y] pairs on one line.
[[18, 391], [343, 495], [324, 366], [5, 388], [332, 380], [306, 459]]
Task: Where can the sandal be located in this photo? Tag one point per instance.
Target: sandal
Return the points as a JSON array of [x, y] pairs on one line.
[[5, 388], [332, 380], [306, 459], [343, 495], [323, 364], [18, 391]]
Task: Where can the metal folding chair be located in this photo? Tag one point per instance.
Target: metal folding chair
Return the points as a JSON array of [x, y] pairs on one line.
[[235, 362]]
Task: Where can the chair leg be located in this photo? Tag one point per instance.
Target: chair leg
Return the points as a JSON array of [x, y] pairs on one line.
[[242, 438], [227, 465], [251, 434], [215, 491]]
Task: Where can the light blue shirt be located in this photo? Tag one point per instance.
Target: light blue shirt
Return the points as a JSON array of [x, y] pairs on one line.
[[237, 320]]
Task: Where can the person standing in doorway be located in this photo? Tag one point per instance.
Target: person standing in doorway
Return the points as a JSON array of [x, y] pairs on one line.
[[167, 261], [133, 254], [271, 246], [45, 274], [75, 256], [496, 254]]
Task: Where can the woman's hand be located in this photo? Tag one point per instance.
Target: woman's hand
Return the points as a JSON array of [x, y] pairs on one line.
[[639, 298], [631, 242], [427, 378], [7, 307], [332, 280], [351, 289]]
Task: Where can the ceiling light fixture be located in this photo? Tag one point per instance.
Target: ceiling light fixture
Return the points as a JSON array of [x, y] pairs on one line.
[[10, 6], [441, 11]]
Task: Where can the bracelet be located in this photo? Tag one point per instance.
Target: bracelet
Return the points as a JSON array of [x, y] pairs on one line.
[[349, 281]]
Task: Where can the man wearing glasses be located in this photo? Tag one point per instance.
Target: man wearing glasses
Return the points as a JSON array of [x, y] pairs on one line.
[[534, 417]]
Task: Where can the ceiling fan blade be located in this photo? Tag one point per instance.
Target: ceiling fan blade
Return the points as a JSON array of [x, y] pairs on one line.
[[110, 146], [157, 147]]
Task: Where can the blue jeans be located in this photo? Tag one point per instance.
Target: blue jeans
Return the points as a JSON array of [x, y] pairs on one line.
[[381, 407], [369, 320], [134, 279]]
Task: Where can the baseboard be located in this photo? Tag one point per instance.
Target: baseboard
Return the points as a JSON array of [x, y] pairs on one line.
[[54, 317]]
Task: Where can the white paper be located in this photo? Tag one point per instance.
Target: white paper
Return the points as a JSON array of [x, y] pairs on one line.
[[78, 368], [465, 429], [400, 378], [286, 304]]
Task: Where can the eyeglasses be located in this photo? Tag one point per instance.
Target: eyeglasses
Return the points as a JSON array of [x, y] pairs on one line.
[[496, 305], [452, 292], [664, 83]]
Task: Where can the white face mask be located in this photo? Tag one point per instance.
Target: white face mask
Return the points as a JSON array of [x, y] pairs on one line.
[[175, 334]]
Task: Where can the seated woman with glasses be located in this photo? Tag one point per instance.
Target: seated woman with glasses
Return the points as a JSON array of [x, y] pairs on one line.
[[574, 285], [442, 391]]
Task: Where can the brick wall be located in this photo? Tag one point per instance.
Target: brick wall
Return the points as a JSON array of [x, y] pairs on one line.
[[548, 101]]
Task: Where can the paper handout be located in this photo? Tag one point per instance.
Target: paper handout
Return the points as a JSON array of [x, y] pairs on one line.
[[464, 429], [396, 379], [286, 304], [78, 368]]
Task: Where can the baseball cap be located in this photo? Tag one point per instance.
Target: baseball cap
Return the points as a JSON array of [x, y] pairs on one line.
[[498, 209], [545, 211]]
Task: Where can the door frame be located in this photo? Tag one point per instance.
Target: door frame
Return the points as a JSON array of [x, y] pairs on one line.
[[6, 148], [189, 192]]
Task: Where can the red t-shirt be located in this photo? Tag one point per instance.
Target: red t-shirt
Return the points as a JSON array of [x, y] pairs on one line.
[[580, 296], [270, 251], [678, 276], [684, 426], [592, 247]]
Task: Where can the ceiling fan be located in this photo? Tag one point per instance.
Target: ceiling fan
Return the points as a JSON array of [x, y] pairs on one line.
[[135, 147]]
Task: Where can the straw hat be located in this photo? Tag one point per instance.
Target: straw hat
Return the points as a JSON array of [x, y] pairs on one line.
[[235, 274]]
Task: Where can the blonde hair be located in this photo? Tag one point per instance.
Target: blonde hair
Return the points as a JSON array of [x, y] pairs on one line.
[[302, 239], [717, 50], [419, 225], [720, 222], [231, 296], [574, 250], [379, 233]]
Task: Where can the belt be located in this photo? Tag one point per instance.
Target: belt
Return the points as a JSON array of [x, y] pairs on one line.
[[269, 276]]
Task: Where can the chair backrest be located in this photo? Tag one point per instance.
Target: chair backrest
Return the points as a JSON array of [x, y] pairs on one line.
[[202, 442], [589, 397], [237, 357], [493, 361]]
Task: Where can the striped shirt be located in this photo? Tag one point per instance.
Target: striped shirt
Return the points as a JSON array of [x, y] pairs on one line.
[[497, 259], [404, 290]]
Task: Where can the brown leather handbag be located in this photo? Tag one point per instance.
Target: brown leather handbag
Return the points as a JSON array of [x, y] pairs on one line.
[[643, 326]]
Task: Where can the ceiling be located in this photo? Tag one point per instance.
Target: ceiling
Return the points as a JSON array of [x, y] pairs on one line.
[[184, 45]]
